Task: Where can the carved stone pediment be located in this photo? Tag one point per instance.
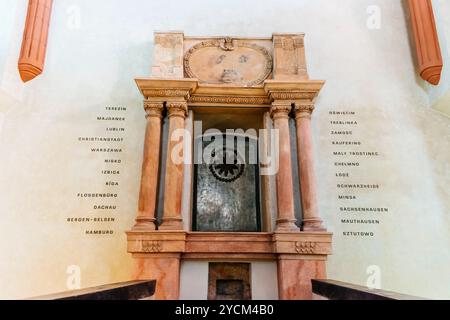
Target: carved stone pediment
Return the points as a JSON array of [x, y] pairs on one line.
[[228, 61]]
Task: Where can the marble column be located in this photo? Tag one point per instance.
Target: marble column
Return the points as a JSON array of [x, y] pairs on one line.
[[285, 194], [308, 189], [150, 167], [35, 36], [173, 188]]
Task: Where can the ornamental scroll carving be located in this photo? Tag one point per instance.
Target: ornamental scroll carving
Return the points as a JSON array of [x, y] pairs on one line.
[[151, 246], [305, 247], [228, 61]]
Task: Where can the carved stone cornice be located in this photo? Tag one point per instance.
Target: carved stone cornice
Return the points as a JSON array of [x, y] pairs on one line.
[[292, 95], [153, 109], [216, 95], [293, 91], [234, 100], [177, 109], [188, 90], [168, 93], [167, 89]]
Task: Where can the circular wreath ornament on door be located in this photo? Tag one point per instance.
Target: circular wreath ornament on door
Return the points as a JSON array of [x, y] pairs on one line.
[[227, 166]]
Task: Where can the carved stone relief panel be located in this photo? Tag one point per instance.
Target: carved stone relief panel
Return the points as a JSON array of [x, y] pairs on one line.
[[239, 62], [290, 61], [168, 59]]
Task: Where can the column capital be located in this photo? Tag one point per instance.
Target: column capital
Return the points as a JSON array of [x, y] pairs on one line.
[[303, 109], [280, 109], [177, 109], [153, 109]]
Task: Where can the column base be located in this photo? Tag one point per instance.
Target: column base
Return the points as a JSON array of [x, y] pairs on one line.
[[313, 224], [144, 224], [301, 257], [286, 225], [156, 256], [171, 224]]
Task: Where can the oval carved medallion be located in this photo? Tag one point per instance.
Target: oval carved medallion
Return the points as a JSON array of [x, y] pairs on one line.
[[228, 61]]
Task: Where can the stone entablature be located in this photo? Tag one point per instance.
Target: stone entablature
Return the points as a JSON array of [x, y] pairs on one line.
[[196, 94]]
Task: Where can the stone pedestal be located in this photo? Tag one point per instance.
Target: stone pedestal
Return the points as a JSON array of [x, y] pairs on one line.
[[157, 257], [165, 269], [295, 275], [301, 258]]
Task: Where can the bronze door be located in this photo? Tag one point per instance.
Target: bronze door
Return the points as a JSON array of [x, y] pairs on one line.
[[226, 193]]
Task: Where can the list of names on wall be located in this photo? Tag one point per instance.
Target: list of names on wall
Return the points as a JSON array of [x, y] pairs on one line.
[[106, 148], [357, 188]]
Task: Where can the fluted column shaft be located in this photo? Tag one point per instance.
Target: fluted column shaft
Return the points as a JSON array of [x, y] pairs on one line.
[[285, 193], [150, 166], [173, 188], [427, 40], [308, 188], [35, 36]]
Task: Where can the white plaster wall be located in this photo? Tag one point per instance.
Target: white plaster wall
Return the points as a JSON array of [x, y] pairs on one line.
[[92, 64], [264, 280], [440, 95], [194, 280]]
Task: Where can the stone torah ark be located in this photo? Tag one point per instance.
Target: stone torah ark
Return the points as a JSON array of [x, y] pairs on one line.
[[224, 78]]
